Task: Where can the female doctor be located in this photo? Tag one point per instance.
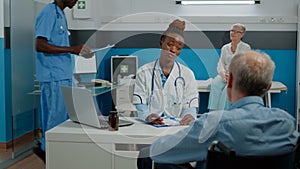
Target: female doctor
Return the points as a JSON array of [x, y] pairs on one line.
[[165, 88]]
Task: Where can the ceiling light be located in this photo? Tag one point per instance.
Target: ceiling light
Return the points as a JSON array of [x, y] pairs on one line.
[[217, 2]]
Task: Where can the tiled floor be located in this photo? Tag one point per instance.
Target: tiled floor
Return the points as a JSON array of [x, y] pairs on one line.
[[30, 162], [22, 145]]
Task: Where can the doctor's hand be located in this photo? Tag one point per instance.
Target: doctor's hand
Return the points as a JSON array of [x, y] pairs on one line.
[[186, 119], [155, 119]]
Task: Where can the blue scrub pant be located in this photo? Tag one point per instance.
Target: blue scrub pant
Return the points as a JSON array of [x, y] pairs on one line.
[[53, 107]]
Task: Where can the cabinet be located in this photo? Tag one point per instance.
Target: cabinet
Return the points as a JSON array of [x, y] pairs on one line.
[[71, 155], [71, 145]]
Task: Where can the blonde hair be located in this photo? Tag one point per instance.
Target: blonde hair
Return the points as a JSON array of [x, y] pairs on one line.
[[241, 26]]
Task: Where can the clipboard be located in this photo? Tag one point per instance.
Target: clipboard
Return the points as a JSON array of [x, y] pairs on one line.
[[103, 48], [93, 51], [169, 122]]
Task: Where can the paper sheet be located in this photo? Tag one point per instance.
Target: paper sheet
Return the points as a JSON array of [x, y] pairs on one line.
[[168, 122], [98, 49], [85, 65]]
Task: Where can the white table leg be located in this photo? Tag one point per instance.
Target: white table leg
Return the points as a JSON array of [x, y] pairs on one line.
[[268, 99]]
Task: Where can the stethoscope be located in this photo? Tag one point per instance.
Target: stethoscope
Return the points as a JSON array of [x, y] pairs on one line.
[[175, 82]]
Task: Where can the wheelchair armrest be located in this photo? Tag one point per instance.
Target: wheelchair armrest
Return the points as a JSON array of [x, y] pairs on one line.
[[222, 147]]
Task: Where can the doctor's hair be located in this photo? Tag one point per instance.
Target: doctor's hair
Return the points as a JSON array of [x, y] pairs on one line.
[[252, 72], [176, 27]]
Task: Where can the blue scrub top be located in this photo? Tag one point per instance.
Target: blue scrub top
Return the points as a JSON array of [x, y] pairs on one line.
[[51, 24]]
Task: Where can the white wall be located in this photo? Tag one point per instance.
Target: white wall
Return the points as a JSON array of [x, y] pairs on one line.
[[6, 13], [1, 19], [154, 14]]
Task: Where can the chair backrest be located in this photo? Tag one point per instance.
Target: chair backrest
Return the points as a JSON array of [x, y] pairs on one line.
[[226, 158]]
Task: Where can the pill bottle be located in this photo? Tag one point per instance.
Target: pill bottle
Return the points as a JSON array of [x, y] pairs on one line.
[[113, 121]]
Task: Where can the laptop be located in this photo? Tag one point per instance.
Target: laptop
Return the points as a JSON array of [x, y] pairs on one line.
[[82, 108]]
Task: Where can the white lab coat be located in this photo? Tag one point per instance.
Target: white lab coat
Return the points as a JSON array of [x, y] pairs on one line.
[[166, 99]]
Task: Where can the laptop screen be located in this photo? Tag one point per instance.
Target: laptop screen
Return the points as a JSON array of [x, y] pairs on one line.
[[82, 107]]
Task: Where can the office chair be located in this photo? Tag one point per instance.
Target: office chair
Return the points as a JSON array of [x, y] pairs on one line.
[[226, 158]]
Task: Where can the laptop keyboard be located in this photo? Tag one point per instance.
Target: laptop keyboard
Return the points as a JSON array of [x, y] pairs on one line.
[[103, 120], [89, 84]]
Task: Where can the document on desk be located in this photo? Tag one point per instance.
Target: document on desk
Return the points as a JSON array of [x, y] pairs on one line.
[[169, 122], [278, 85]]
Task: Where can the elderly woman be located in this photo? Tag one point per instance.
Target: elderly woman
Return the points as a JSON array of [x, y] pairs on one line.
[[217, 98]]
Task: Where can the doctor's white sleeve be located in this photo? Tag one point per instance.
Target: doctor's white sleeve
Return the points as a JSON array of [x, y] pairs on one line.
[[142, 111], [140, 95], [191, 96], [192, 111], [220, 67]]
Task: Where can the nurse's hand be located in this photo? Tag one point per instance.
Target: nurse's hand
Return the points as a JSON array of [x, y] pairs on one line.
[[82, 50], [186, 119], [86, 52], [155, 119]]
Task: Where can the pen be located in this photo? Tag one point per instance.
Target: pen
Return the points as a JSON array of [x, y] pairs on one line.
[[174, 119], [156, 120]]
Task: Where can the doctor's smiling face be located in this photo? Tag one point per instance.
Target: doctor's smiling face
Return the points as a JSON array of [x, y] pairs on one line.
[[171, 46], [172, 41]]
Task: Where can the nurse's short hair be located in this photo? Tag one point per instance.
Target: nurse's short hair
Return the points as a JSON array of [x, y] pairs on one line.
[[252, 72]]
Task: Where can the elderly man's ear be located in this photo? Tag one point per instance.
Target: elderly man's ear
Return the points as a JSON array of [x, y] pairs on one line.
[[229, 82]]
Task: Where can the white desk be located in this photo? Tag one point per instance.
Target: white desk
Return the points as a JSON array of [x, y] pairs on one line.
[[277, 87], [72, 145]]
